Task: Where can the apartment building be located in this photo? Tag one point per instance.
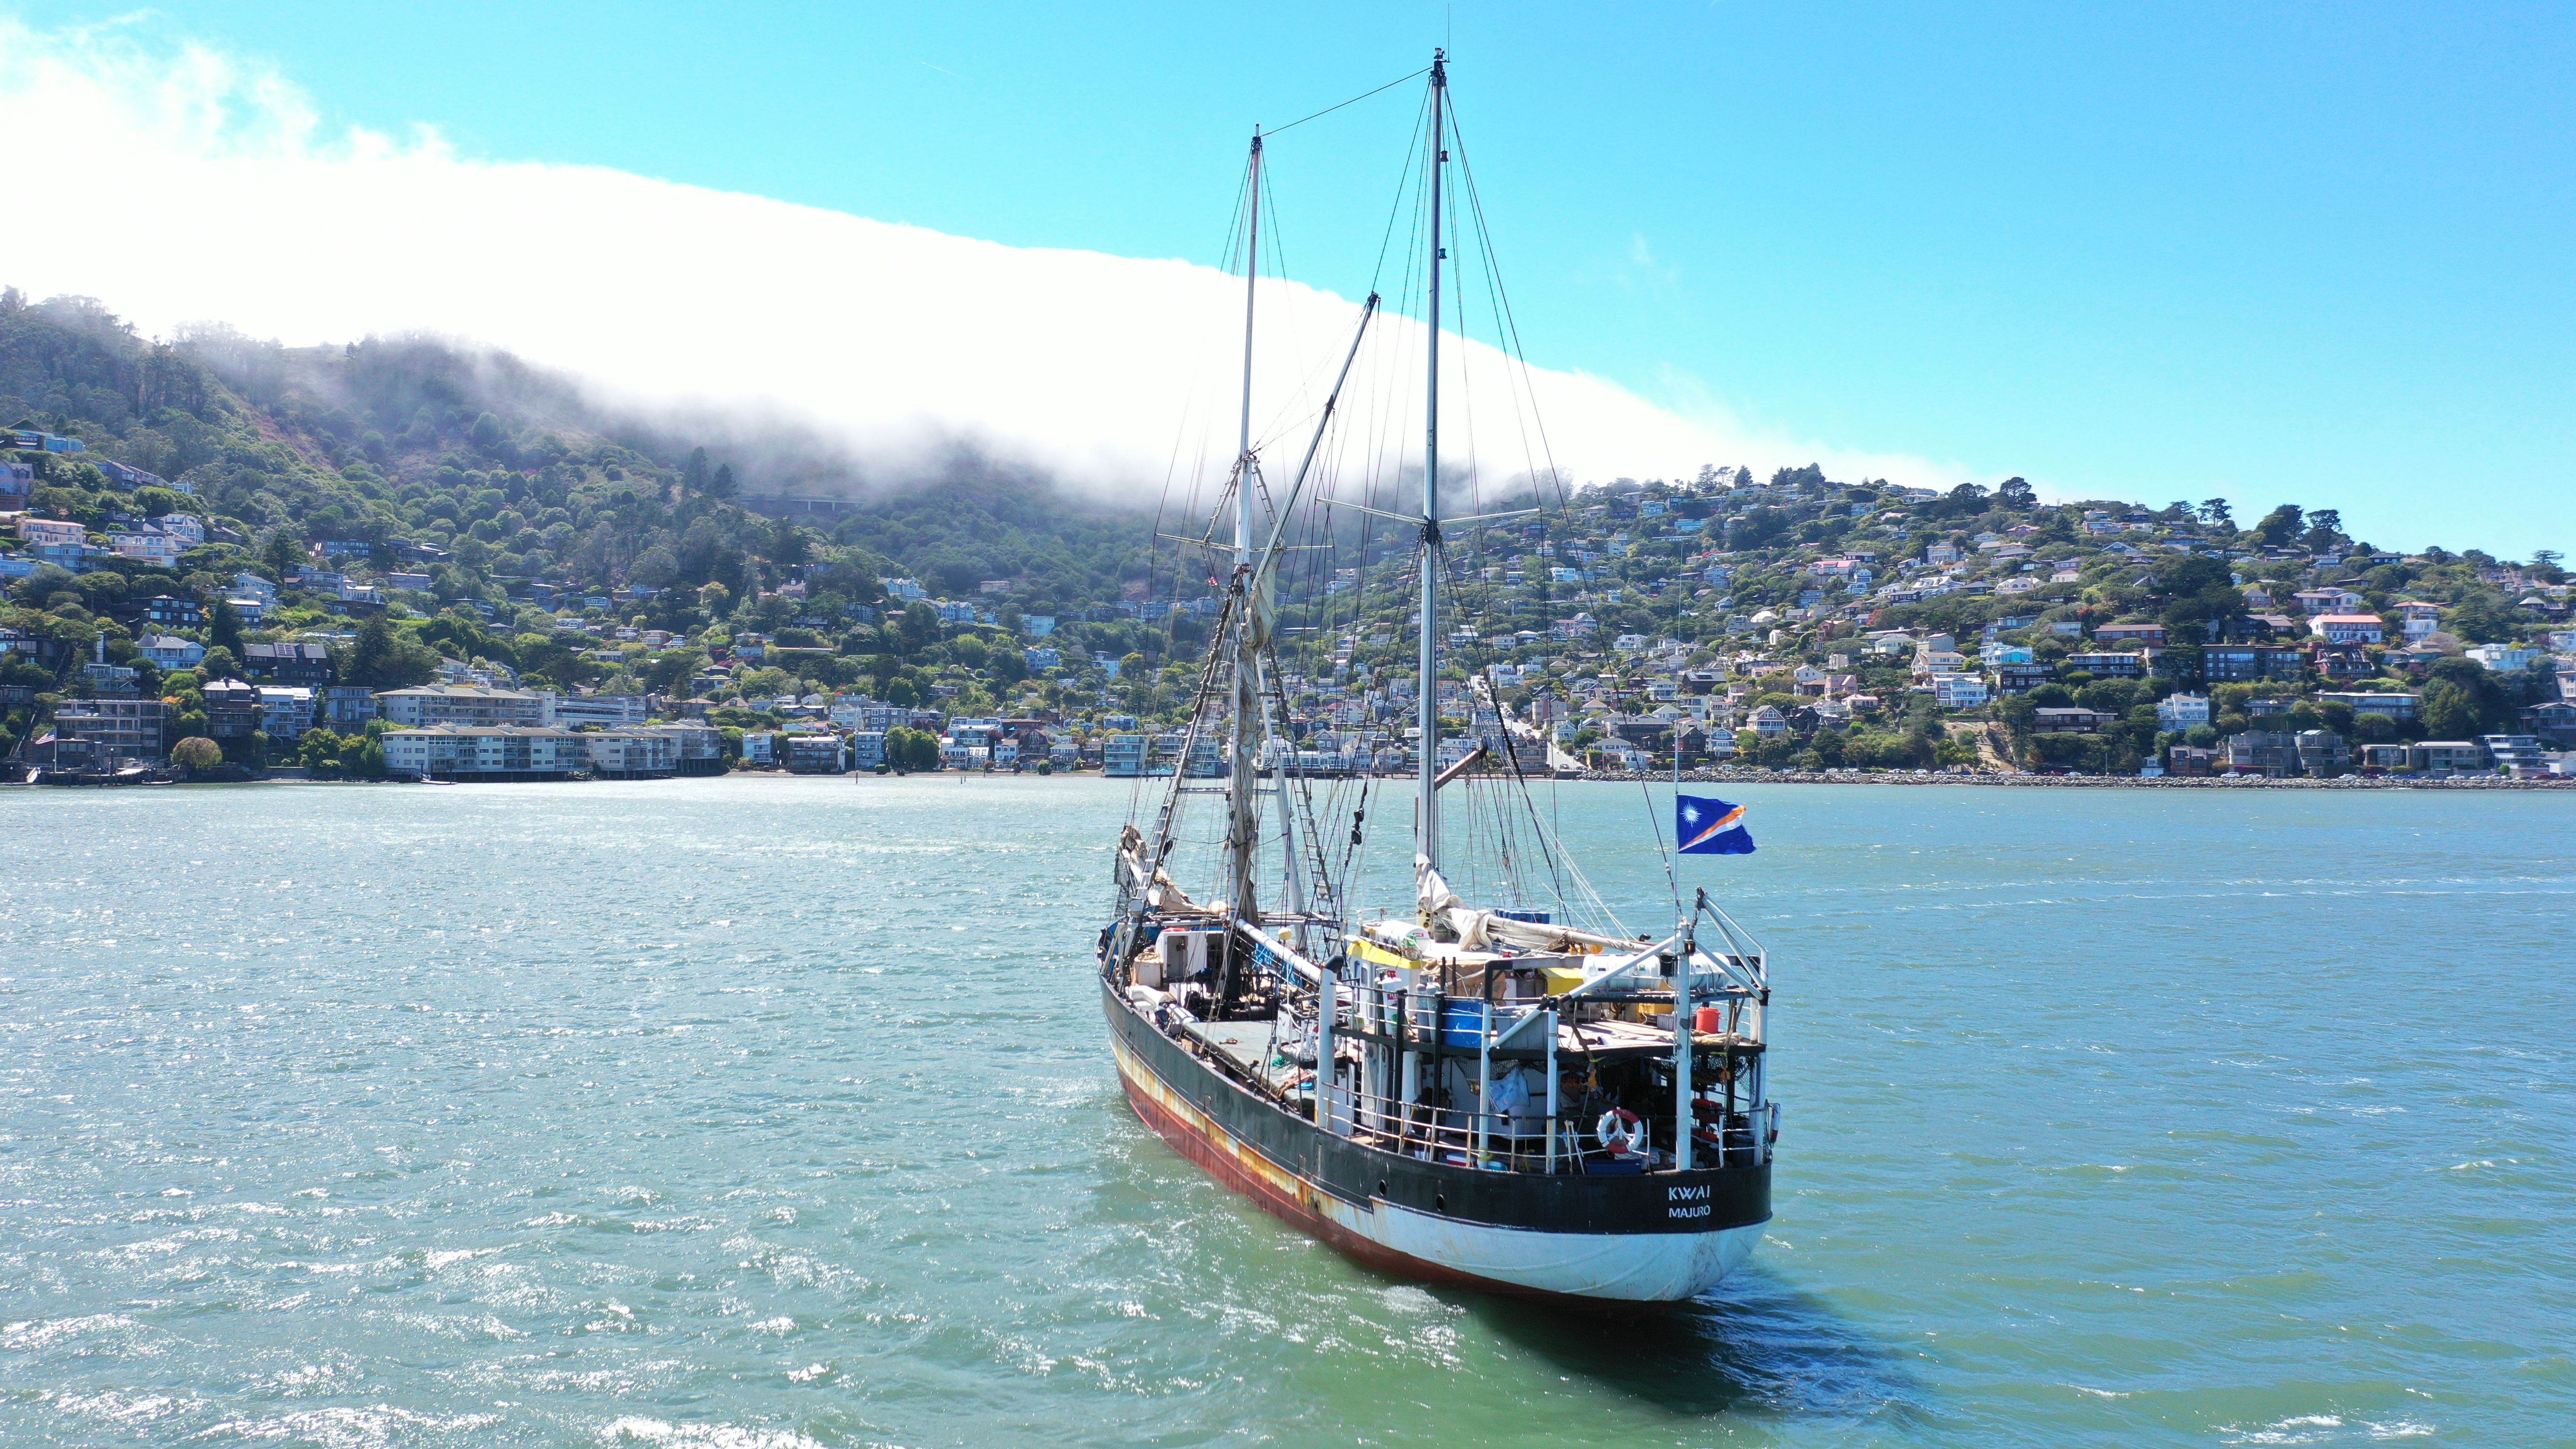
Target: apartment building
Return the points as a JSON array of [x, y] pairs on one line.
[[426, 705]]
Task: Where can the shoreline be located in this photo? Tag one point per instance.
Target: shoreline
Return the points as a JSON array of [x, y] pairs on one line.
[[2026, 781], [1601, 777]]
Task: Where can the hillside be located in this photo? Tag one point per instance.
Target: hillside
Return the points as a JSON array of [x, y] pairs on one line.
[[411, 502]]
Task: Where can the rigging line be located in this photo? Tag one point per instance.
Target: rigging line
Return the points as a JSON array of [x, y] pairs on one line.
[[1403, 182], [1657, 821], [1353, 101], [1278, 242], [1476, 203], [1512, 754]]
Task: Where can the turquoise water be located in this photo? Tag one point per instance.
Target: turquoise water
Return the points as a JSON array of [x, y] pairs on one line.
[[775, 1113]]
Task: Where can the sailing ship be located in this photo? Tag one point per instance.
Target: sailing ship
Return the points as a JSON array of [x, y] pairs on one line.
[[1514, 1093]]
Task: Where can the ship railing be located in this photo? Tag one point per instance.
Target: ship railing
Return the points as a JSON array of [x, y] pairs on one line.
[[1508, 1142], [1442, 1134]]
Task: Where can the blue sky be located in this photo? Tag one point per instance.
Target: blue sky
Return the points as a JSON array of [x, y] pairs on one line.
[[2300, 253]]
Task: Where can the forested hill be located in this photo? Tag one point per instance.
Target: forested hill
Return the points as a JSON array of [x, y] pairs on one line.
[[408, 499], [503, 468]]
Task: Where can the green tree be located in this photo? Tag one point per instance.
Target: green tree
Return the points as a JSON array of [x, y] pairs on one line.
[[789, 544], [2449, 713], [721, 485], [223, 628], [196, 753], [383, 659], [283, 553], [2484, 700], [2281, 525], [911, 749], [319, 749], [2481, 617], [364, 755], [919, 626]]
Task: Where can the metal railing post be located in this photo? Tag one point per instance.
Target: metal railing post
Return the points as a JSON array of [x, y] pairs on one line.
[[1551, 1092]]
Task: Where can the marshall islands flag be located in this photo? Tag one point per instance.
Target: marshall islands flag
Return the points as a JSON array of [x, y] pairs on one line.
[[1710, 827]]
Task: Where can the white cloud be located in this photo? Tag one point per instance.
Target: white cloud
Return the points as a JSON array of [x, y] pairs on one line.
[[206, 190]]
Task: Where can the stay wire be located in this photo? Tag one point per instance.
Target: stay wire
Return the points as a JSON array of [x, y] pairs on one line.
[[1353, 101]]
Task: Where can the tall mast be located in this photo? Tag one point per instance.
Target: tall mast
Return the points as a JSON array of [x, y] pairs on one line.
[[1241, 831], [1243, 450], [1426, 827]]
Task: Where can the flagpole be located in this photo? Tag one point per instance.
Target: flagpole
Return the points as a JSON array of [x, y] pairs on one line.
[[1685, 971]]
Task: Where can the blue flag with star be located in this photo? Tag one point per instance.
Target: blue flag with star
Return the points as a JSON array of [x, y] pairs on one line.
[[1710, 827]]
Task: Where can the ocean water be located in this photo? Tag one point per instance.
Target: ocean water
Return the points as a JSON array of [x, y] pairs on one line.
[[754, 1114]]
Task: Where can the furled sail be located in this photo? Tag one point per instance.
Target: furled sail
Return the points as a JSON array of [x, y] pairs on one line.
[[1480, 930]]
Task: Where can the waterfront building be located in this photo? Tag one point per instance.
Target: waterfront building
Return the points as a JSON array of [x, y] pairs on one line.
[[632, 754], [232, 709], [424, 705], [1122, 755], [2271, 753], [815, 754], [2449, 757], [2323, 753], [487, 752], [2520, 756], [867, 749], [697, 747], [124, 731], [285, 711]]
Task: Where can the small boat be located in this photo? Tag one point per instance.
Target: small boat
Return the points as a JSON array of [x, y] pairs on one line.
[[1514, 1092]]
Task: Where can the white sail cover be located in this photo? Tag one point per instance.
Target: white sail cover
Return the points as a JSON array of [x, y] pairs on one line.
[[1485, 930]]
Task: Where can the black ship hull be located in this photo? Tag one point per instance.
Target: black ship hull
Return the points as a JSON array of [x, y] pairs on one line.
[[1644, 1238]]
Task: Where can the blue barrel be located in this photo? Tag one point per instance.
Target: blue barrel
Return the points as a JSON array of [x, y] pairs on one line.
[[1462, 1022]]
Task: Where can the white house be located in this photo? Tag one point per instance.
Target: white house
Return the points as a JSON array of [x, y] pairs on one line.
[[168, 651], [146, 545], [2504, 658], [2182, 711], [2348, 628]]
